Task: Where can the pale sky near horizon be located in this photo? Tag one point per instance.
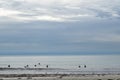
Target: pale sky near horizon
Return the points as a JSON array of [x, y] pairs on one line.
[[59, 27]]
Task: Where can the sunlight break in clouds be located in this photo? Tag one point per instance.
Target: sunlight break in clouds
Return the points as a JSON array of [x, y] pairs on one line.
[[14, 14], [8, 13]]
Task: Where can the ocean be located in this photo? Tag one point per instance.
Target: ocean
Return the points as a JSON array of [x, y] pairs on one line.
[[64, 64]]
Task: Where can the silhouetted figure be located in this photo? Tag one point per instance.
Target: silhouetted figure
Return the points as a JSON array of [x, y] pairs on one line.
[[27, 66], [38, 63], [79, 66], [35, 65], [46, 66], [85, 66], [8, 66]]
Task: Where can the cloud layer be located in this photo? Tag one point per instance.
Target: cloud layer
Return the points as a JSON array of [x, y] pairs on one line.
[[59, 26], [63, 10]]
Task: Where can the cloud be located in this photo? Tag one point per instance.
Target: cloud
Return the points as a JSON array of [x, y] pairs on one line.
[[59, 11], [93, 36], [8, 13], [59, 26]]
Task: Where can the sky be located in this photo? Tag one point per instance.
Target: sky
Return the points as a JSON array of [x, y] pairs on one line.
[[59, 27]]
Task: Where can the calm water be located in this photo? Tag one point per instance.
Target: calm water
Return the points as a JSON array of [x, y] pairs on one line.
[[93, 62]]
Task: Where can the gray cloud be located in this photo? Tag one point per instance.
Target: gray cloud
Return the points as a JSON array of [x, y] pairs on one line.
[[59, 26], [64, 10], [95, 36]]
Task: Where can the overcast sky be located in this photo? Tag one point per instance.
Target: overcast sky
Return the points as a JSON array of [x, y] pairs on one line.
[[58, 27]]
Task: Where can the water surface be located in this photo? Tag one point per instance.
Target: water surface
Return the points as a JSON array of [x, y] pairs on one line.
[[93, 62]]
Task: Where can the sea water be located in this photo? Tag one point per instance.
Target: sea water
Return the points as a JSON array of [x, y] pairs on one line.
[[69, 64]]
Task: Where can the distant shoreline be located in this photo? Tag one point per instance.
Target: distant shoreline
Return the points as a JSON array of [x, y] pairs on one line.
[[31, 69], [52, 75], [55, 76], [52, 71]]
